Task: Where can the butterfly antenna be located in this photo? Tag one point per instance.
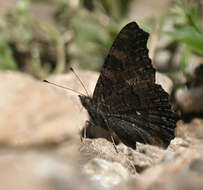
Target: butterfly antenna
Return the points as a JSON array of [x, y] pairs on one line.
[[114, 144], [72, 70], [63, 87]]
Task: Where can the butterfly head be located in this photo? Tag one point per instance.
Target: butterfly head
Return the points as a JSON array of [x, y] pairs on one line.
[[85, 101], [91, 107]]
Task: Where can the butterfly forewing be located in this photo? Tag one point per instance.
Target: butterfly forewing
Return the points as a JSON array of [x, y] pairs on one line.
[[127, 62]]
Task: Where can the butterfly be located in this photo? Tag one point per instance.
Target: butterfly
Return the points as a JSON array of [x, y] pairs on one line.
[[126, 99]]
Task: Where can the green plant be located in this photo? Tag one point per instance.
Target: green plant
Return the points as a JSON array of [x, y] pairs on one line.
[[94, 25], [81, 35], [78, 35], [186, 30], [6, 58]]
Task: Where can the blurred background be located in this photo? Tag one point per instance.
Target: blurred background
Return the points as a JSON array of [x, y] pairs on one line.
[[43, 37]]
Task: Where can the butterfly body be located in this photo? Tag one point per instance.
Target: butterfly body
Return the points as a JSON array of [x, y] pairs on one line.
[[95, 114], [126, 99]]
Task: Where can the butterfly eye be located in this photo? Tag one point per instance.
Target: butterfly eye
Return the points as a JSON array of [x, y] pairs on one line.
[[87, 100]]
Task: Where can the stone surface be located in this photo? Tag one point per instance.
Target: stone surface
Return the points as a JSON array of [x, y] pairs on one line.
[[164, 81], [192, 131], [36, 170], [181, 172], [148, 156], [41, 147], [190, 100], [136, 161], [33, 114], [101, 148], [106, 173]]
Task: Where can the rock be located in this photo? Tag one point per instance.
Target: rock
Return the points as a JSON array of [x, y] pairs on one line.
[[196, 62], [151, 151], [131, 184], [192, 132], [106, 173], [141, 161], [169, 169], [34, 114], [197, 78], [164, 81], [101, 148], [179, 173], [146, 156], [37, 170], [190, 100], [178, 143], [136, 161]]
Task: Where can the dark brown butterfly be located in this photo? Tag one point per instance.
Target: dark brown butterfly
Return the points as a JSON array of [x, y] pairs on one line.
[[126, 99]]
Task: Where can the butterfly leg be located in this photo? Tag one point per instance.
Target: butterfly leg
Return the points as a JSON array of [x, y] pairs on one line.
[[112, 139], [84, 131], [113, 142]]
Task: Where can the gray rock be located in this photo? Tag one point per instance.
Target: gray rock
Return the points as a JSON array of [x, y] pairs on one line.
[[103, 149], [191, 132], [164, 81], [32, 114], [105, 173], [182, 172], [36, 170], [190, 100]]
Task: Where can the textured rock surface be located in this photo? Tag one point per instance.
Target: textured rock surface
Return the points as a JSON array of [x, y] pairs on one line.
[[106, 173], [33, 114], [191, 132], [36, 170], [41, 147], [190, 100], [164, 81], [182, 171], [101, 148]]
